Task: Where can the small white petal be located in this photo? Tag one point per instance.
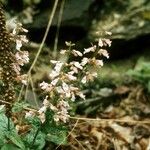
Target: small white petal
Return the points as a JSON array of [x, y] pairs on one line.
[[65, 86], [53, 74], [58, 66], [108, 33], [103, 52], [84, 61], [78, 65], [100, 42], [71, 77], [90, 49], [63, 52], [99, 62], [18, 44], [84, 80], [81, 95], [54, 82], [76, 53], [108, 42]]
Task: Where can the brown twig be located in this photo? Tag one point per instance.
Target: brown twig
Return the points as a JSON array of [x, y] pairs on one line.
[[92, 119], [111, 120]]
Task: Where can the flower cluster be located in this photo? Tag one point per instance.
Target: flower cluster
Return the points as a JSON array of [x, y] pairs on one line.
[[22, 57], [66, 79]]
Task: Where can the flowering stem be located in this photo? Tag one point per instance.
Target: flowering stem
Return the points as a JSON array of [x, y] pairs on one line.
[[7, 60]]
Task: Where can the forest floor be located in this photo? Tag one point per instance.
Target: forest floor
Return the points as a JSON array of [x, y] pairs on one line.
[[116, 113]]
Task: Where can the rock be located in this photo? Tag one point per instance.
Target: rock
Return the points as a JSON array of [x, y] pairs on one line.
[[125, 19], [74, 14]]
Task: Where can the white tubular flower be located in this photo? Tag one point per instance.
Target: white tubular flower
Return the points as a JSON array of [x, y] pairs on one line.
[[46, 103], [59, 90], [29, 114], [61, 116], [23, 38], [16, 68], [103, 52], [84, 61], [58, 66], [18, 44], [77, 65], [74, 69], [77, 53], [53, 74], [63, 104], [18, 28], [63, 52], [100, 43], [22, 57], [107, 42], [81, 95], [22, 78], [108, 33], [71, 77], [104, 42], [90, 49], [96, 62], [42, 110], [66, 90], [54, 61], [54, 82], [65, 86], [52, 107], [44, 85], [99, 62], [90, 76], [84, 80], [72, 97], [42, 117]]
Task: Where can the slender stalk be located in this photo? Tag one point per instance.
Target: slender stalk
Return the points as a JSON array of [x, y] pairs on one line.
[[58, 27], [45, 35]]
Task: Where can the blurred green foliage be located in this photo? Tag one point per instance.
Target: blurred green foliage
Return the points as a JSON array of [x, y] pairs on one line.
[[141, 73]]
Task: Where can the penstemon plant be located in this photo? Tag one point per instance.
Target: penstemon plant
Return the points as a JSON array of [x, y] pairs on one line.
[[21, 126]]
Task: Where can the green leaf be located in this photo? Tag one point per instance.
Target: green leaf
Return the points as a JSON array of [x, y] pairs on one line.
[[10, 134], [4, 128], [55, 133], [9, 147], [15, 138], [34, 121], [19, 106], [2, 109], [39, 142]]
